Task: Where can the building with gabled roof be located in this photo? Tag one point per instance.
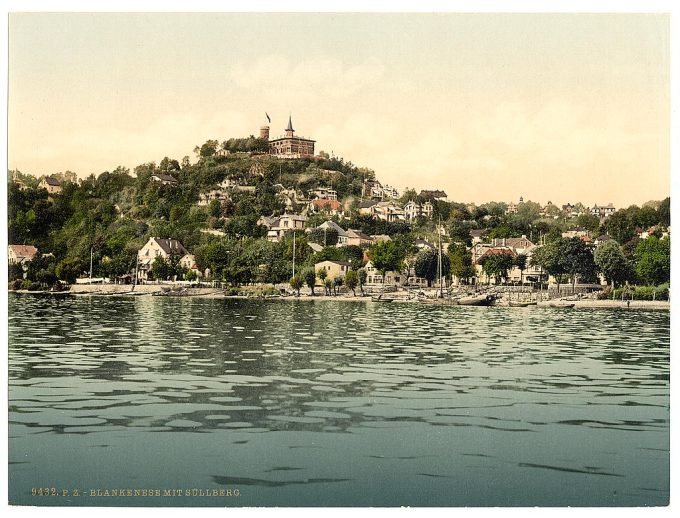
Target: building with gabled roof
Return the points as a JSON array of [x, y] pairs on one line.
[[477, 235], [603, 211], [332, 225], [278, 226], [366, 207], [52, 185], [434, 194], [333, 269], [164, 179], [20, 254], [333, 207], [518, 245], [358, 238], [157, 247]]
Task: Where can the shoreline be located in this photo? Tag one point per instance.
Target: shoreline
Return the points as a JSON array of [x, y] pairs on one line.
[[218, 293]]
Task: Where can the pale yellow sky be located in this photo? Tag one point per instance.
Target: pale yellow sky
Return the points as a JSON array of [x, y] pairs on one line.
[[488, 107]]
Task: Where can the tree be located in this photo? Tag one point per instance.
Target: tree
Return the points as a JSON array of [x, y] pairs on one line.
[[521, 263], [589, 222], [362, 279], [460, 231], [15, 271], [337, 282], [328, 284], [323, 275], [427, 265], [621, 225], [209, 148], [168, 165], [352, 280], [215, 208], [160, 268], [527, 213], [309, 276], [324, 236], [386, 256], [354, 255], [68, 270], [547, 258], [461, 263], [653, 260], [410, 194], [664, 212], [611, 261], [497, 266], [576, 259], [501, 231], [645, 217], [296, 283]]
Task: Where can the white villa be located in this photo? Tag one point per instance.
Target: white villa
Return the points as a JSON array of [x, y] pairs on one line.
[[279, 226], [157, 247]]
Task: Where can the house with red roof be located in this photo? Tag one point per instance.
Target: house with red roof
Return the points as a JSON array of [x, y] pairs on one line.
[[20, 254], [332, 207]]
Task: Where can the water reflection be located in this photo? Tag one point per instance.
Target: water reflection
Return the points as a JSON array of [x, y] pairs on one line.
[[404, 401]]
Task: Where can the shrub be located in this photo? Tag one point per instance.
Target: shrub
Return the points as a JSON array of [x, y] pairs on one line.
[[639, 293]]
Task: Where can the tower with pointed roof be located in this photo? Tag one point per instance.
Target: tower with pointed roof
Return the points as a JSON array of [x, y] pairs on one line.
[[289, 130], [291, 146]]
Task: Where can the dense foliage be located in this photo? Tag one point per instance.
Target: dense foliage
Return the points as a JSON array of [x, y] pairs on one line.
[[104, 219]]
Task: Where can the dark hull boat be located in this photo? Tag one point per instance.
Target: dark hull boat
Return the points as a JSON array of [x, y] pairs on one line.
[[482, 300]]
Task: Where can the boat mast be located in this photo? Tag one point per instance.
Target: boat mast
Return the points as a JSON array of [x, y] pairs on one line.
[[439, 265]]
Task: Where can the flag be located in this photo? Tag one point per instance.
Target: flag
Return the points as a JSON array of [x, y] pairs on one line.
[[268, 119]]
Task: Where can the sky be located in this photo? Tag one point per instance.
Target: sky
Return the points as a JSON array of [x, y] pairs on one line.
[[550, 107]]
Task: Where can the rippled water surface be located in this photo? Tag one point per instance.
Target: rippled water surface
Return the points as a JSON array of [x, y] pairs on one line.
[[336, 403]]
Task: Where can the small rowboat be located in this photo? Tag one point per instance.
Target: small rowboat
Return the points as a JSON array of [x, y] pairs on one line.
[[515, 304], [560, 305]]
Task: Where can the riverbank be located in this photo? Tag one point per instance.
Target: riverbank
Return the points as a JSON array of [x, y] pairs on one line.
[[623, 304], [147, 290]]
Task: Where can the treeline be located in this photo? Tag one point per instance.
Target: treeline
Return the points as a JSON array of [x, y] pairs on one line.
[[110, 216]]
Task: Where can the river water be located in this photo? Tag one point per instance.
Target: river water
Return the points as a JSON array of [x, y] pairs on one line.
[[330, 403]]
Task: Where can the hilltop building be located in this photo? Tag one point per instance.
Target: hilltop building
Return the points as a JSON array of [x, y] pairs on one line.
[[434, 194], [288, 146], [164, 179], [52, 185], [603, 211]]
